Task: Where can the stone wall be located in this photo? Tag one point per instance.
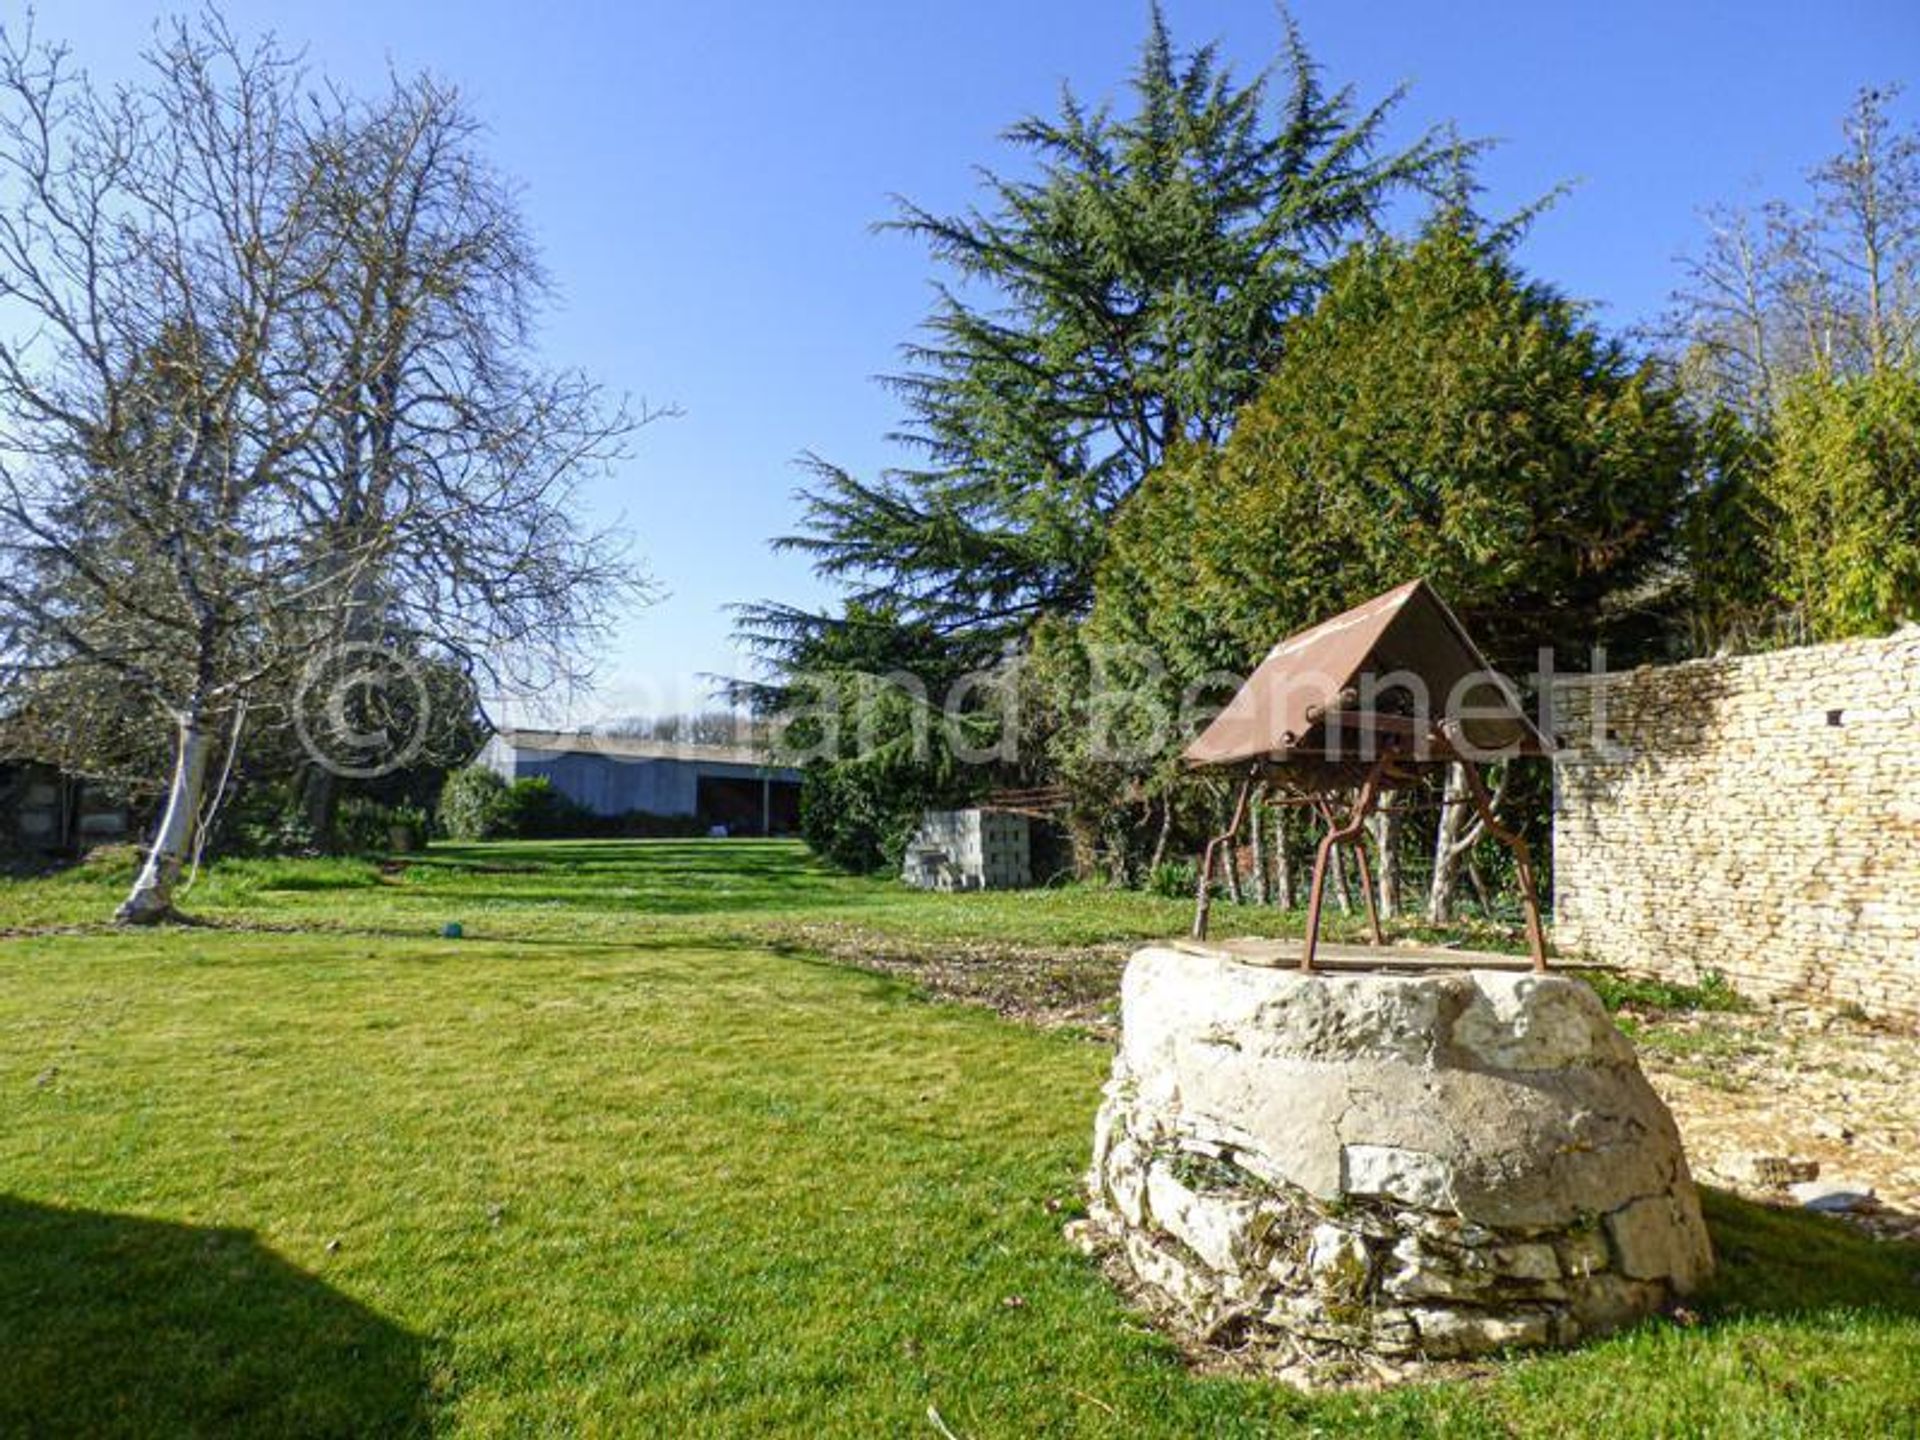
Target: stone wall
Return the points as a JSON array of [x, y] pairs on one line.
[[1419, 1166], [1756, 816]]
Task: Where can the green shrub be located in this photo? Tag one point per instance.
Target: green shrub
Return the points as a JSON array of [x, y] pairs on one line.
[[473, 805], [266, 818], [477, 804], [1641, 992], [849, 817], [411, 819], [361, 824], [533, 810], [1176, 879]]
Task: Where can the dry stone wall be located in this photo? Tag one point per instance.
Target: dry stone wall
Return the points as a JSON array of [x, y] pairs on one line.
[[1756, 816], [1418, 1167]]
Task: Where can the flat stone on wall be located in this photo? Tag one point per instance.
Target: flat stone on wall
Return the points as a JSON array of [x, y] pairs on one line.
[[1756, 816]]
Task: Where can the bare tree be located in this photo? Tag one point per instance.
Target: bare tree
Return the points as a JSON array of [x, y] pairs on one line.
[[1867, 200], [698, 727], [452, 456], [1729, 316], [155, 241], [1828, 287], [218, 457]]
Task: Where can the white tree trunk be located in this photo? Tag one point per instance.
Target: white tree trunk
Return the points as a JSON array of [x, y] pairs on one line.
[[152, 896], [1282, 864], [1160, 839], [1447, 849], [1385, 827], [1256, 822]]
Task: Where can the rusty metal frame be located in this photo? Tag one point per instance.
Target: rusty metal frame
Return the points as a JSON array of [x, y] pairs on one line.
[[1303, 730], [1203, 900], [1388, 767], [1352, 832], [1522, 861]]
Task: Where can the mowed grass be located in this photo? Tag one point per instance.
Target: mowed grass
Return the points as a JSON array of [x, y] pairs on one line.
[[611, 1164], [617, 889]]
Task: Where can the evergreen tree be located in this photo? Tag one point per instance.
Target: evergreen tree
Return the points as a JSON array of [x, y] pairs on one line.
[[1121, 300], [1844, 497], [1437, 415]]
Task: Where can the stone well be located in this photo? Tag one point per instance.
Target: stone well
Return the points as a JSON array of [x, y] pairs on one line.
[[1422, 1165]]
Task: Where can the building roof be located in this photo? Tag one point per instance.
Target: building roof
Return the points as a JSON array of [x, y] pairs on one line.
[[635, 747], [1318, 689]]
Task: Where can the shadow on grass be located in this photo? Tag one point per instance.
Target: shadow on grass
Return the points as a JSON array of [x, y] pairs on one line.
[[113, 1325], [1793, 1263]]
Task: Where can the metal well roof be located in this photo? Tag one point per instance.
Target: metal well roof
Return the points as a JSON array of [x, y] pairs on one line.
[[1399, 667]]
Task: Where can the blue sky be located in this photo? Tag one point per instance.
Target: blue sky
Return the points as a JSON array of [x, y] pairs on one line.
[[702, 177]]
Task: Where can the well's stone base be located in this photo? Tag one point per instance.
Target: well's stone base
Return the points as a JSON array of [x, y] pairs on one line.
[[1412, 1165]]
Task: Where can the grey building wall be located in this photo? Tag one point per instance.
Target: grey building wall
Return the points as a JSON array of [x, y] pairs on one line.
[[609, 784]]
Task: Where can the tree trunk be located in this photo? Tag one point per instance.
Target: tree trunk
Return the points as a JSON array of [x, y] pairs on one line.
[[1083, 842], [1160, 840], [1480, 890], [1230, 861], [1447, 849], [1119, 858], [321, 800], [1385, 825], [1337, 864], [1282, 863], [151, 898], [1257, 822]]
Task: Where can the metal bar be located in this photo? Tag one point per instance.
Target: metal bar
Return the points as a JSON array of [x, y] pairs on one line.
[[1203, 901], [1337, 835], [1366, 884], [1522, 862]]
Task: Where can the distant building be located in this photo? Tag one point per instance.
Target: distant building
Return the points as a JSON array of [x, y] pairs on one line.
[[970, 850], [735, 786]]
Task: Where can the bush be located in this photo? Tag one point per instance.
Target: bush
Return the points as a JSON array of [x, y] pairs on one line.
[[365, 825], [413, 821], [477, 804], [266, 818], [533, 810], [1176, 879], [473, 805], [360, 824], [851, 817], [1619, 991]]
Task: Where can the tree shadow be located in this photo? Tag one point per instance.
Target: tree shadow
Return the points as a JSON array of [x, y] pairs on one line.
[[1793, 1262], [115, 1325]]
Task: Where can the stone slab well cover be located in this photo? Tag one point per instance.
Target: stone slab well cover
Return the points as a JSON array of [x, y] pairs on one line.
[[1419, 1166]]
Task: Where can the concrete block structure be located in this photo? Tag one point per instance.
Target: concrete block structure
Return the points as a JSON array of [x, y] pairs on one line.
[[970, 850]]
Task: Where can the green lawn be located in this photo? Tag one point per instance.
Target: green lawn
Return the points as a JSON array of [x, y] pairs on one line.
[[615, 1164]]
